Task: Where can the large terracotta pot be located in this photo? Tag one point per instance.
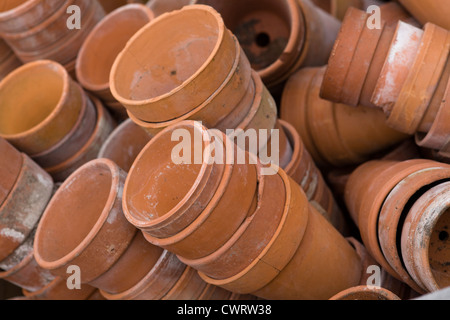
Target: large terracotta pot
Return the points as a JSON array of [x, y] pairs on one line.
[[289, 267], [335, 134], [104, 43], [41, 104]]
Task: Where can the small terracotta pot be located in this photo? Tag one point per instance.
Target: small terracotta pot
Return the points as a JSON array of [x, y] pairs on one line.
[[73, 141], [252, 236], [425, 237], [157, 283], [109, 37], [288, 267], [183, 221], [227, 106], [24, 206], [89, 151], [94, 238], [124, 144], [40, 106], [180, 79], [22, 270], [436, 11], [366, 293], [358, 56], [335, 134], [10, 166]]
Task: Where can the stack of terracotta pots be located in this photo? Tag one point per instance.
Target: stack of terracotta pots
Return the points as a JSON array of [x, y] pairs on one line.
[[48, 116], [84, 226], [404, 218], [211, 81], [412, 94], [8, 60], [37, 29], [257, 245], [336, 135], [101, 47]]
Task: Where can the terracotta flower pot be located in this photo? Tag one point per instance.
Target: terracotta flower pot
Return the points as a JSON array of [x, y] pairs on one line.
[[57, 290], [289, 266], [358, 56], [73, 141], [124, 144], [335, 134], [279, 39], [338, 8], [365, 293], [160, 7], [425, 237], [436, 11], [40, 106], [104, 125], [108, 37], [10, 166], [180, 79], [181, 217], [8, 60], [24, 206], [111, 5], [365, 204]]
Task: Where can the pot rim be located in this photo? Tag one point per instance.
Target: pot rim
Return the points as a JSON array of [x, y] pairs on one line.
[[105, 22], [102, 218], [361, 289], [18, 10], [65, 92], [142, 32]]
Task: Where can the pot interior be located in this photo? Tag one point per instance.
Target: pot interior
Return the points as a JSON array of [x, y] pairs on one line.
[[157, 183], [29, 97], [107, 41], [439, 250], [74, 211], [263, 27], [155, 64]]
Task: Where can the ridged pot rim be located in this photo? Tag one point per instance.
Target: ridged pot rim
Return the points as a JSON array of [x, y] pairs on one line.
[[381, 292], [142, 33]]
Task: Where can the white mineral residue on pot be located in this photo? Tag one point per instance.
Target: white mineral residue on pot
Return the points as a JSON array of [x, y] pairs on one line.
[[12, 234], [400, 59]]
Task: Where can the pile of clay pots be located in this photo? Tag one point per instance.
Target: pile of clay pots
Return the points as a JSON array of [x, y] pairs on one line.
[[122, 145]]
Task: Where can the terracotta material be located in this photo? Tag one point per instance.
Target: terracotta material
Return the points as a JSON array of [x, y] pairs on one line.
[[436, 11], [40, 106], [288, 267], [425, 239], [338, 8], [89, 151], [124, 144], [156, 283], [57, 290], [160, 7], [73, 141], [358, 56], [10, 166], [111, 5], [334, 134], [104, 43], [216, 293], [8, 60], [233, 99], [24, 206], [188, 287], [279, 39], [186, 217], [46, 36], [366, 293], [384, 177], [180, 80]]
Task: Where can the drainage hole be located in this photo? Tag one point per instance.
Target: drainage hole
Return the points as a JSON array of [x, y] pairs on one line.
[[443, 236], [263, 39]]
